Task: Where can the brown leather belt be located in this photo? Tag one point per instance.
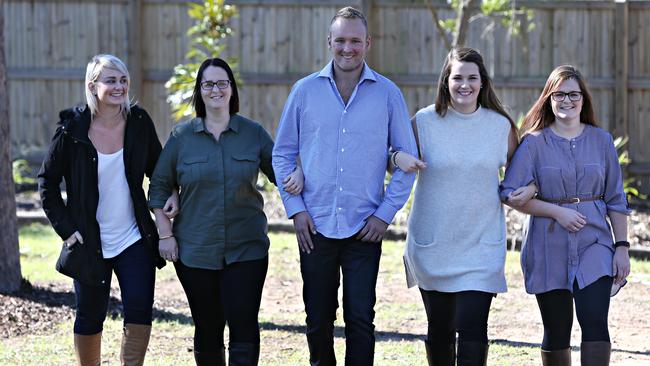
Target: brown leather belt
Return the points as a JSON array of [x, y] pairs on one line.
[[571, 200]]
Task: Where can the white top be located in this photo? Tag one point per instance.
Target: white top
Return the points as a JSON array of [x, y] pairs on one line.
[[456, 231], [117, 226]]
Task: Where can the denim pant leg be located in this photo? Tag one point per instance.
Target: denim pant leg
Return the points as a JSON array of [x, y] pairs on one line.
[[136, 273], [92, 305], [320, 275], [360, 266]]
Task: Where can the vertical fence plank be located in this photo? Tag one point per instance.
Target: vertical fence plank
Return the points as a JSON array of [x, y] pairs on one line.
[[620, 126]]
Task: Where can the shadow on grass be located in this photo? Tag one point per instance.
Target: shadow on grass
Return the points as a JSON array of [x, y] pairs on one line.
[[505, 342], [60, 297], [339, 332]]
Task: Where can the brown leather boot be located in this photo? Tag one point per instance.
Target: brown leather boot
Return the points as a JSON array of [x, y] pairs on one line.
[[135, 340], [88, 349], [557, 358], [595, 353]]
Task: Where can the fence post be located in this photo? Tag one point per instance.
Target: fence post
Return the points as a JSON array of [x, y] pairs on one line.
[[620, 127], [135, 46]]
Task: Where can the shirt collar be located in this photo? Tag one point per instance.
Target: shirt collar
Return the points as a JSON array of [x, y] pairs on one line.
[[366, 74], [199, 126]]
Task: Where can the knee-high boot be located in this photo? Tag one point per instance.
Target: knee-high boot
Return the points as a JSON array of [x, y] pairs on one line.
[[243, 354], [557, 358], [595, 353], [440, 354], [472, 354], [135, 340], [88, 349]]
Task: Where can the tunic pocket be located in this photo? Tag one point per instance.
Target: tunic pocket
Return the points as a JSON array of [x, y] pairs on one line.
[[593, 179], [551, 184]]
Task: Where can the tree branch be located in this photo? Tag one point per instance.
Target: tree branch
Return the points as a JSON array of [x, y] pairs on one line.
[[442, 31]]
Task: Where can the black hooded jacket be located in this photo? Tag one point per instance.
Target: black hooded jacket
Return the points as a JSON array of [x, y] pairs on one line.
[[73, 157]]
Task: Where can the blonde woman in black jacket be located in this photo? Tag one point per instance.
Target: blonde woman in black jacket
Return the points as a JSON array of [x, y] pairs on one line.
[[102, 151]]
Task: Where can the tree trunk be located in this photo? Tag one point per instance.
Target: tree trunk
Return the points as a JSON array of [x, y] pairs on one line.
[[10, 276], [465, 11]]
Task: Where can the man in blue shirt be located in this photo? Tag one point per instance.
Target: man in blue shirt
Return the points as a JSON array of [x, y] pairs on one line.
[[341, 123]]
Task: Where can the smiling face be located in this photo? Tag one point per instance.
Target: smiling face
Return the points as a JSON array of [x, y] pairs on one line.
[[567, 110], [215, 98], [111, 88], [464, 86], [348, 41]]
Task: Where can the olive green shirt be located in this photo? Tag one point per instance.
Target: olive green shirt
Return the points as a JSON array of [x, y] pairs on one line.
[[221, 217]]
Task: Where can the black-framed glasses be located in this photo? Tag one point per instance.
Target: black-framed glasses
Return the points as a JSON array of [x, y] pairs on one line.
[[574, 96], [209, 84]]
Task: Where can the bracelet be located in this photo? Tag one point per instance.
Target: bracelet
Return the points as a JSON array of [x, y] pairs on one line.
[[622, 243], [165, 237], [393, 158]]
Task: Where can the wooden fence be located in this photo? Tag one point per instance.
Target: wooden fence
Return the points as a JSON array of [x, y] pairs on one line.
[[49, 42]]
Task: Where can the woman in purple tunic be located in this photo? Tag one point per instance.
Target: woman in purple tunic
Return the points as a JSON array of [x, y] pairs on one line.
[[569, 255]]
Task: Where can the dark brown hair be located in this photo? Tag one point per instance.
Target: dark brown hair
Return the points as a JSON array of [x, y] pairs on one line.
[[197, 101], [541, 114], [487, 98]]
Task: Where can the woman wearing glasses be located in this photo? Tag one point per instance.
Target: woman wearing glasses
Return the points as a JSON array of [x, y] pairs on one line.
[[569, 255], [219, 243]]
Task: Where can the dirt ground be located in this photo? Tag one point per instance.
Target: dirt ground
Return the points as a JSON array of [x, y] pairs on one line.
[[514, 317]]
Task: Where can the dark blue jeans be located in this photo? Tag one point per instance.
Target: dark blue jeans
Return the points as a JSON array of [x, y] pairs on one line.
[[359, 263], [135, 272]]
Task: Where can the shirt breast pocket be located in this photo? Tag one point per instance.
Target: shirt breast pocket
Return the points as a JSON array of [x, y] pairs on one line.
[[195, 169], [245, 166], [593, 179]]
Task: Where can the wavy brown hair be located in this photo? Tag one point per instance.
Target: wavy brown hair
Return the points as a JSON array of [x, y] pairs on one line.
[[541, 114], [487, 98]]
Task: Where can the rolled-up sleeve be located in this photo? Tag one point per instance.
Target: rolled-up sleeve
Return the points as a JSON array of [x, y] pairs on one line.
[[163, 180], [401, 138], [286, 150], [520, 171], [615, 197]]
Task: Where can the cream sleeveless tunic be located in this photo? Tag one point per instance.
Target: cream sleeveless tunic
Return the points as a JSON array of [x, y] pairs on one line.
[[456, 231]]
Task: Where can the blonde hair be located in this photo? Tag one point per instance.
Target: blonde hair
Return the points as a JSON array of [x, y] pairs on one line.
[[94, 69]]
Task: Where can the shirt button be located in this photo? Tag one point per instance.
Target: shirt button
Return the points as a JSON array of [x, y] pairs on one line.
[[340, 209], [345, 111], [340, 189], [341, 169], [344, 130], [342, 149], [573, 146]]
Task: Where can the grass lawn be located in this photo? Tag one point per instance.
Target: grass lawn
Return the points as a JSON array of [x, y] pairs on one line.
[[400, 319]]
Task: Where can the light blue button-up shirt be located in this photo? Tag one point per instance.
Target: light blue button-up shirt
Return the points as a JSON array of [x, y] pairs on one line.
[[343, 151]]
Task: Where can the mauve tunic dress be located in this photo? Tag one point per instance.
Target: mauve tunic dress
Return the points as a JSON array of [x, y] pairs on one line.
[[586, 166]]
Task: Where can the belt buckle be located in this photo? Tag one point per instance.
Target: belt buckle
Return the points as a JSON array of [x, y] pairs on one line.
[[575, 200]]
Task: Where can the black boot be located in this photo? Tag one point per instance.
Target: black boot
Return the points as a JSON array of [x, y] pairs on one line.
[[203, 358], [243, 354], [472, 354], [595, 353], [557, 358], [440, 354]]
